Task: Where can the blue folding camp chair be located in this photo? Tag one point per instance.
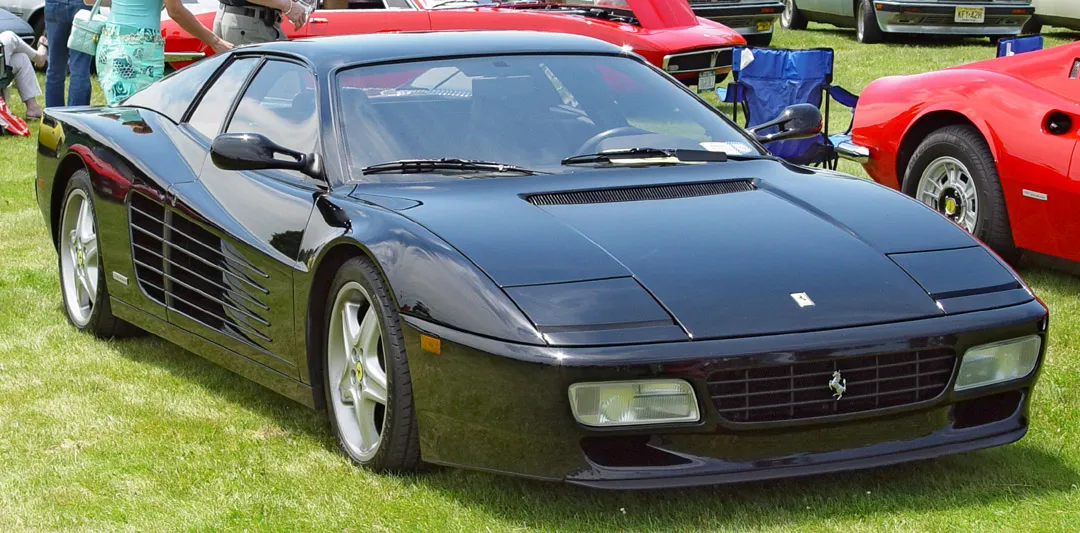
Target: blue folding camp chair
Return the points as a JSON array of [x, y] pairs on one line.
[[1019, 45], [775, 79]]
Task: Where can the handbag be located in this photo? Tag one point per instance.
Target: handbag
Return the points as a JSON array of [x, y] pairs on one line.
[[86, 30]]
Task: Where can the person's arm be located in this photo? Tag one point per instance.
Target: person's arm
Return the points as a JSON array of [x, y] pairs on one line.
[[290, 8], [187, 21]]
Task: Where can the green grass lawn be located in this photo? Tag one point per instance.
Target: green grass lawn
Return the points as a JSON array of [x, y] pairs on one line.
[[141, 435]]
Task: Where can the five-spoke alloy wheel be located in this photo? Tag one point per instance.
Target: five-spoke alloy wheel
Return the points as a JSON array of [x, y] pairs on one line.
[[356, 362], [368, 390], [82, 283]]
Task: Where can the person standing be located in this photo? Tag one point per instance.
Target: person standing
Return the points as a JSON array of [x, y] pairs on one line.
[[256, 21], [131, 51], [58, 17]]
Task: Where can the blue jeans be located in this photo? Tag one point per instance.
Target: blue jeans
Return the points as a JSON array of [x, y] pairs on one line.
[[58, 17]]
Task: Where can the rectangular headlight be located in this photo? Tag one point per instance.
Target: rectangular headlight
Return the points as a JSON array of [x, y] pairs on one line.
[[998, 362], [630, 403]]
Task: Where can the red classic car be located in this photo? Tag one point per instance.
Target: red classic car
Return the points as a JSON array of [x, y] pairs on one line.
[[994, 145], [665, 32]]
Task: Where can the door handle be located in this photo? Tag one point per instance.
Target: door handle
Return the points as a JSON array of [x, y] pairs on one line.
[[318, 20]]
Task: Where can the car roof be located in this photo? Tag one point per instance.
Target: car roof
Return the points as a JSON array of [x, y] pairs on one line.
[[330, 52]]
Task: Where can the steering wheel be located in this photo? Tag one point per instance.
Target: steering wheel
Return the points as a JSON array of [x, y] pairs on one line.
[[590, 145]]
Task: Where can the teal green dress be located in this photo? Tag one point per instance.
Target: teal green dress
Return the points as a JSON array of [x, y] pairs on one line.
[[131, 51]]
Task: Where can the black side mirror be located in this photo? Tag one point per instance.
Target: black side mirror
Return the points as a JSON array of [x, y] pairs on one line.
[[796, 122], [251, 151]]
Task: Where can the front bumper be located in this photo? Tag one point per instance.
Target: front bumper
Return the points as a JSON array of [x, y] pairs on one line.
[[746, 19], [489, 405], [939, 18]]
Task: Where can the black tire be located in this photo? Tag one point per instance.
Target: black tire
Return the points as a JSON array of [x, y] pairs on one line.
[[1033, 26], [101, 322], [759, 40], [967, 145], [792, 18], [867, 30], [399, 449]]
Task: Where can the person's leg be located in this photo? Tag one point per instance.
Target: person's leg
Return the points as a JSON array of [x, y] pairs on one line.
[[79, 67], [14, 44], [26, 83], [56, 31]]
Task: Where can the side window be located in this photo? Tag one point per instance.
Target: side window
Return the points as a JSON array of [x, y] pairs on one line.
[[280, 104], [211, 111], [172, 95], [398, 4]]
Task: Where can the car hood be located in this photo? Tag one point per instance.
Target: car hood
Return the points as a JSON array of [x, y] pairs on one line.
[[749, 248]]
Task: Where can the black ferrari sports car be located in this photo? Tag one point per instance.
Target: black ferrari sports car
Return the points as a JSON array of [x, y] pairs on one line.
[[533, 254]]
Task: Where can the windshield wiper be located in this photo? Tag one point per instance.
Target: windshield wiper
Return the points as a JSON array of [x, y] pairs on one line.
[[414, 166], [662, 155]]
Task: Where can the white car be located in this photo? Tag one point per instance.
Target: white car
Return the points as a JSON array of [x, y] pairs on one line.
[[1060, 13], [33, 11]]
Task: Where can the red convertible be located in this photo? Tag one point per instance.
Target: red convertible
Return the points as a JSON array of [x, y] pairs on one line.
[[665, 32], [994, 145]]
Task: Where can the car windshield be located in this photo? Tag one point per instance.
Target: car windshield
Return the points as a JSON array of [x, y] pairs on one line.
[[532, 111]]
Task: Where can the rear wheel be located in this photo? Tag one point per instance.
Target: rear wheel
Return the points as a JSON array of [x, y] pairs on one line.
[[953, 172], [366, 373], [82, 277], [759, 40], [792, 18], [867, 30]]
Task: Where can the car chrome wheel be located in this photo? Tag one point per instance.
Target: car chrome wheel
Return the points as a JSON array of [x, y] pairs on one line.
[[947, 186], [785, 17], [78, 257], [357, 369]]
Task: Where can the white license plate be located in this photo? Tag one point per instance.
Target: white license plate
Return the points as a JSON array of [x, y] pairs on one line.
[[970, 15], [706, 81]]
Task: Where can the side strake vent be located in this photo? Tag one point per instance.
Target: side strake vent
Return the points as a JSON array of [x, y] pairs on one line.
[[190, 270], [637, 194]]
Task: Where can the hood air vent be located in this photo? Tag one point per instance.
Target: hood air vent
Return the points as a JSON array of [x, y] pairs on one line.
[[637, 194]]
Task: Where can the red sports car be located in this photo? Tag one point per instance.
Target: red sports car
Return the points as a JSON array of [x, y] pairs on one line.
[[665, 32], [994, 145]]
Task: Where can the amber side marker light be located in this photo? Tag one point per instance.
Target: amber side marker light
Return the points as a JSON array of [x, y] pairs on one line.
[[430, 344], [1019, 12]]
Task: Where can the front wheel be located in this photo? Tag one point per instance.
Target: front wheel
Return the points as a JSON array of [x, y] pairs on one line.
[[953, 172], [792, 18], [366, 373], [867, 30], [82, 276], [1032, 27]]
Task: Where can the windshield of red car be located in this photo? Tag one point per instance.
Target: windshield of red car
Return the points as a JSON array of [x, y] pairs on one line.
[[527, 110]]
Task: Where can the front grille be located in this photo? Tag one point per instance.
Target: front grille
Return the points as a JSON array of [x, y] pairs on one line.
[[635, 194], [801, 390], [698, 61]]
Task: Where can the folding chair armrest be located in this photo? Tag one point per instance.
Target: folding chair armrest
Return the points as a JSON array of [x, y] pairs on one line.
[[843, 96]]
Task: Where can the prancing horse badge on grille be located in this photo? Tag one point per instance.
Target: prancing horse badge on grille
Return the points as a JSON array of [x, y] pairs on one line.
[[838, 385]]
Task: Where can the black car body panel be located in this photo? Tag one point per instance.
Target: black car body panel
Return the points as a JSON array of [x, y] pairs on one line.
[[528, 298]]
